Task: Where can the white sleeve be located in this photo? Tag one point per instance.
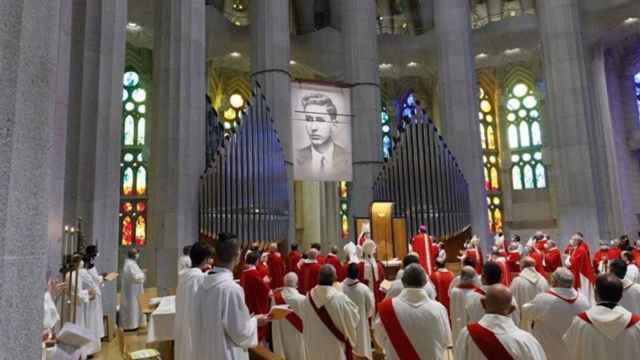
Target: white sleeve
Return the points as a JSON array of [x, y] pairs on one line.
[[238, 324]]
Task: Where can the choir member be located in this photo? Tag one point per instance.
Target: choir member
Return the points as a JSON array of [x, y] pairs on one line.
[[308, 273], [474, 310], [552, 257], [288, 340], [330, 320], [422, 244], [333, 260], [412, 326], [601, 258], [293, 258], [496, 336], [607, 330], [527, 285], [441, 279], [320, 258], [132, 286], [184, 261], [550, 313], [633, 274], [630, 290], [276, 266], [458, 298], [362, 296], [256, 290], [223, 327], [371, 270], [579, 263], [396, 285], [188, 282]]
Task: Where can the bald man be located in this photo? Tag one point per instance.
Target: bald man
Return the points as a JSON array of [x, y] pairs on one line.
[[288, 340], [552, 312], [607, 330], [491, 274], [528, 284], [496, 336]]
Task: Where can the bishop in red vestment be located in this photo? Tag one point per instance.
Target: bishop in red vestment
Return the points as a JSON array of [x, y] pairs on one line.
[[333, 260], [552, 257], [320, 258], [580, 266]]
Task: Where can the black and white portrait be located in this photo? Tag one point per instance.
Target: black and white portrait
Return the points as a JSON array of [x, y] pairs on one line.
[[321, 132]]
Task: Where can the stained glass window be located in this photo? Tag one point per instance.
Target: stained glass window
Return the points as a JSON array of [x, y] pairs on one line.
[[133, 192], [491, 159], [385, 125], [636, 81], [343, 194], [524, 135]]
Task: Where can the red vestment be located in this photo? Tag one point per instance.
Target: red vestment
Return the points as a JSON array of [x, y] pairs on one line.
[[552, 260], [581, 265], [292, 261], [422, 245], [441, 280], [262, 268], [321, 259], [276, 269], [513, 262], [377, 280], [614, 253], [308, 276], [537, 257], [636, 256], [334, 261], [477, 254], [540, 245], [598, 257], [256, 295]]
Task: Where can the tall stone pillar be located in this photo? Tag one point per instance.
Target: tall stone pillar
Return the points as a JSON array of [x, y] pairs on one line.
[[270, 55], [459, 101], [569, 115], [177, 136], [29, 45], [359, 31]]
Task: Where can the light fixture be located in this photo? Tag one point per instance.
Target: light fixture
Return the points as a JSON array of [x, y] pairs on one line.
[[404, 25], [412, 64], [482, 56], [230, 114], [235, 54], [512, 51], [385, 66], [236, 101], [631, 20], [133, 27], [292, 62]]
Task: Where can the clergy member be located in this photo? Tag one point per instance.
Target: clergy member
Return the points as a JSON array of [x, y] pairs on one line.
[[550, 314], [630, 290], [396, 285], [473, 250], [330, 320], [458, 298], [633, 273], [371, 270], [468, 261], [412, 326], [496, 336], [607, 330], [552, 257], [256, 290], [474, 310], [288, 340], [222, 327], [580, 264], [293, 258], [308, 273], [527, 285], [93, 311], [441, 279], [422, 245], [333, 260], [188, 282], [184, 261], [321, 258], [132, 286], [276, 266], [601, 258], [362, 296]]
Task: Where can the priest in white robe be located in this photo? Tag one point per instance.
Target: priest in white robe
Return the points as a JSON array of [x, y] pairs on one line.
[[467, 261], [330, 320], [93, 315], [360, 294], [527, 285], [188, 282], [132, 286], [630, 290], [411, 325], [607, 330], [550, 313], [396, 285], [222, 327], [474, 310], [458, 299], [496, 336], [287, 337]]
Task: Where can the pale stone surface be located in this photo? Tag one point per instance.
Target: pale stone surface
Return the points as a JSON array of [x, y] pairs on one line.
[[177, 135], [458, 101]]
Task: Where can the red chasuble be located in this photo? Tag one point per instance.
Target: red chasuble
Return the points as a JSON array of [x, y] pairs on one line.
[[614, 253], [488, 343], [399, 339], [335, 262], [540, 245], [477, 254], [256, 295], [377, 293], [538, 258], [292, 261], [598, 257], [292, 318], [513, 262], [422, 245], [505, 276], [308, 276], [321, 259], [581, 264], [276, 270], [552, 260], [441, 281]]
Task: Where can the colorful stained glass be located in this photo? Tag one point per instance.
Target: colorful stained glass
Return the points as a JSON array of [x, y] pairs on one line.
[[127, 231], [536, 134], [487, 181], [141, 206], [141, 230], [485, 106], [513, 104], [139, 95], [129, 130], [541, 179], [127, 182], [516, 177], [130, 78], [491, 139], [524, 134], [128, 157], [141, 181], [497, 220], [530, 102], [126, 207], [520, 90], [528, 177], [141, 126], [483, 138], [494, 179]]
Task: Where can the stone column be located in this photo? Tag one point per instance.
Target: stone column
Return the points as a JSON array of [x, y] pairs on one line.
[[29, 42], [270, 55], [359, 31], [459, 101], [177, 136], [569, 116]]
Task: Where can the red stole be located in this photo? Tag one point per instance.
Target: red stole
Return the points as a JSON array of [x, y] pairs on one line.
[[331, 326], [293, 319], [488, 343], [635, 318], [421, 244], [399, 339], [568, 301]]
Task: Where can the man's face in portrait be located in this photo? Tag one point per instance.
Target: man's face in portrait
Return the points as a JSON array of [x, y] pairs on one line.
[[318, 124]]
